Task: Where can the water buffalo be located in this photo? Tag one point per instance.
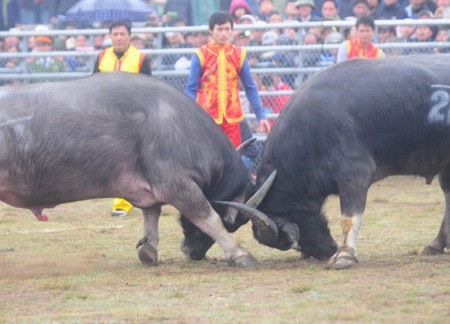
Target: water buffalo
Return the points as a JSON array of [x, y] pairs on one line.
[[346, 128], [123, 135]]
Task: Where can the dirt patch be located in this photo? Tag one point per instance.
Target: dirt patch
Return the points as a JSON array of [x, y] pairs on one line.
[[25, 266]]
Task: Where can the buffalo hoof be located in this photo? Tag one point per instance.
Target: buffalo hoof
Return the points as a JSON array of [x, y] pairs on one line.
[[430, 250], [148, 255], [193, 254], [244, 261], [342, 260]]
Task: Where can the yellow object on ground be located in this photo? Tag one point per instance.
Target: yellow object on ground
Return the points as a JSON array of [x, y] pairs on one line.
[[120, 203]]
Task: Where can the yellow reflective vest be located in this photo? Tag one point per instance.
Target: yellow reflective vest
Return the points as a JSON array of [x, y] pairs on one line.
[[131, 61]]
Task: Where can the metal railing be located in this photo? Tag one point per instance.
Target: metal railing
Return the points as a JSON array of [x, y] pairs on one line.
[[297, 72]]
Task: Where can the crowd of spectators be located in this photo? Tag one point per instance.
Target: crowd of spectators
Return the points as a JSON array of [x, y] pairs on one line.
[[49, 14]]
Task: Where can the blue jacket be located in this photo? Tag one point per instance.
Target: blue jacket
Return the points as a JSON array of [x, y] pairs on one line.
[[12, 15]]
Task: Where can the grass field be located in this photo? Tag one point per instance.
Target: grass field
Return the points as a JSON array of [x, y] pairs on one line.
[[81, 266]]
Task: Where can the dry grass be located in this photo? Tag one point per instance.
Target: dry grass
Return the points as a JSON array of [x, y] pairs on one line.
[[81, 266]]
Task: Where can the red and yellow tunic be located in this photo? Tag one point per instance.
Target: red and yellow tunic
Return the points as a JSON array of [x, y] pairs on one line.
[[131, 61], [355, 50], [218, 93]]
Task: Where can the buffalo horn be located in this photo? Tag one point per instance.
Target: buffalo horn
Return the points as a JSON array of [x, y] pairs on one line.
[[258, 197], [240, 149], [267, 230]]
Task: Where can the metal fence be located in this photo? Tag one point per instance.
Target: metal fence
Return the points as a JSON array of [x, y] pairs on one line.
[[287, 60]]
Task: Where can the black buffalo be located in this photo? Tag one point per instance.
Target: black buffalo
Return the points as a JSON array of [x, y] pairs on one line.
[[346, 128], [123, 135]]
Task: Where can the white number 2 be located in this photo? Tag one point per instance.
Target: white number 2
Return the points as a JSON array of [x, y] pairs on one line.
[[439, 111]]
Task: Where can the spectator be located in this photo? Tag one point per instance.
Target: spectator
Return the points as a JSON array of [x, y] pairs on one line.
[[37, 11], [270, 38], [293, 31], [274, 82], [416, 6], [247, 20], [328, 57], [373, 6], [265, 9], [79, 63], [349, 33], [175, 40], [360, 9], [243, 38], [442, 36], [291, 10], [11, 40], [239, 8], [423, 34], [58, 10], [31, 43], [386, 34], [252, 153], [310, 58], [425, 14], [180, 61], [329, 10], [317, 30], [9, 16], [98, 42], [345, 8], [406, 32], [305, 10], [213, 79], [200, 38], [45, 64], [325, 31], [362, 46], [258, 34], [177, 9], [12, 64], [122, 57], [275, 18], [286, 59], [138, 41], [391, 9], [440, 6], [153, 20], [60, 41]]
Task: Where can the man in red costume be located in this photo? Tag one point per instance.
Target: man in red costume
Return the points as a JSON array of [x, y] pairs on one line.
[[214, 79], [361, 46]]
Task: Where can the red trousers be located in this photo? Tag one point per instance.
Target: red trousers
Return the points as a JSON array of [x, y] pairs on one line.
[[233, 131]]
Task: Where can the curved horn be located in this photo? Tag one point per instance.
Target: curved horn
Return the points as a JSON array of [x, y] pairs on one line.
[[258, 197], [266, 229], [240, 149]]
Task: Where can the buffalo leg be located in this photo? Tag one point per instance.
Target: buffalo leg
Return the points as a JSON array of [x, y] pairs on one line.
[[442, 240], [353, 195], [148, 244], [199, 212], [196, 243], [213, 226]]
